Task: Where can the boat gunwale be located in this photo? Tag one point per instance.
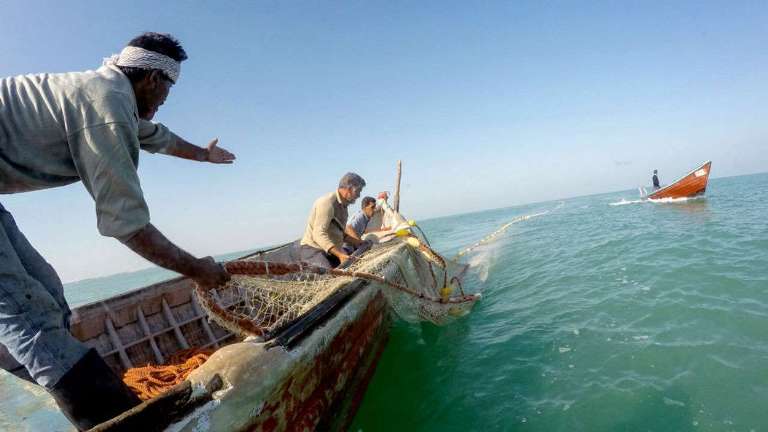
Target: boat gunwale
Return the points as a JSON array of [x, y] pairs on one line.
[[288, 334]]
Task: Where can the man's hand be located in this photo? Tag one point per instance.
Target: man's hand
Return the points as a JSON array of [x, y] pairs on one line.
[[344, 258], [209, 273], [341, 255], [211, 153], [218, 155], [155, 247], [351, 237]]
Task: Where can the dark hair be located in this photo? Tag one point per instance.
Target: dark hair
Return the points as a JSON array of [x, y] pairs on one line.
[[368, 201], [162, 43], [350, 180]]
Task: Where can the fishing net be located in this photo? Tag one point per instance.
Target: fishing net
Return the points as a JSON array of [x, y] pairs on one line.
[[418, 283], [263, 296]]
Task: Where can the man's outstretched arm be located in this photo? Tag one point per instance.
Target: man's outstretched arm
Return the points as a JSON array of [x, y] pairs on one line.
[[151, 244], [211, 153]]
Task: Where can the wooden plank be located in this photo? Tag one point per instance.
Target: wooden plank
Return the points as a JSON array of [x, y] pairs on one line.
[[157, 333], [204, 320], [176, 328], [145, 328], [115, 338]]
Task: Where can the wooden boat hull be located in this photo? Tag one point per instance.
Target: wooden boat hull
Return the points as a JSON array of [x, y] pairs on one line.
[[307, 373], [310, 374], [690, 185]]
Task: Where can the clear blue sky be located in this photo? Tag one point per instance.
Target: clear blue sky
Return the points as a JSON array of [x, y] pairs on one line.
[[489, 104]]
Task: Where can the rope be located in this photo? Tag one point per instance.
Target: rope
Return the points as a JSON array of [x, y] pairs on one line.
[[153, 380], [426, 240], [437, 259], [492, 236]]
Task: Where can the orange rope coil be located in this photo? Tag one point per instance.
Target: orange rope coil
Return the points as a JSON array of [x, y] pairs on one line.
[[153, 380]]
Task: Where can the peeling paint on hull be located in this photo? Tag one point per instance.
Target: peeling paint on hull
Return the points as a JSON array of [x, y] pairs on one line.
[[316, 387], [317, 384]]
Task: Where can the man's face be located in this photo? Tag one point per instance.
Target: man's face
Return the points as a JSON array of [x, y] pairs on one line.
[[151, 92], [370, 209], [350, 194]]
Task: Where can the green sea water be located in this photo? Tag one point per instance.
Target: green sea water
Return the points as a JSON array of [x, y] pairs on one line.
[[604, 314]]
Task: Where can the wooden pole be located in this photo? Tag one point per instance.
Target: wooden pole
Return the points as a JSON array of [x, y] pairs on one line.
[[396, 198]]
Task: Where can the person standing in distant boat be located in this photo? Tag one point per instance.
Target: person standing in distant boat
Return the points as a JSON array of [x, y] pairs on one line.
[[58, 129], [655, 180]]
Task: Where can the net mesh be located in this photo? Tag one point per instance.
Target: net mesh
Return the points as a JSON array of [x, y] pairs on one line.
[[263, 296]]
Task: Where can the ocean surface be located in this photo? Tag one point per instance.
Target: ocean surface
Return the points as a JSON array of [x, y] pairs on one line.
[[606, 313]]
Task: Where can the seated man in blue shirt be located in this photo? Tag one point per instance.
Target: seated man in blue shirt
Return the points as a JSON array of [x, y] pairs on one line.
[[358, 223]]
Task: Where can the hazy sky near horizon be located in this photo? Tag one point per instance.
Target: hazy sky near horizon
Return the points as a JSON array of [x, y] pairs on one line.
[[489, 104]]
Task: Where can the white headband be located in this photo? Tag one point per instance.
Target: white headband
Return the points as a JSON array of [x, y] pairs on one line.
[[141, 58]]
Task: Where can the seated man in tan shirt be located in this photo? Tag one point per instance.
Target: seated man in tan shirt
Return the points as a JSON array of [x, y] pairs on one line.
[[324, 236]]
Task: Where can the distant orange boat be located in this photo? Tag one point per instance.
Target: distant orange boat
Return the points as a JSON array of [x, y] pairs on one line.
[[693, 184]]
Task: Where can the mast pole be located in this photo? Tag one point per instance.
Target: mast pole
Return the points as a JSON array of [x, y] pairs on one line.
[[396, 197]]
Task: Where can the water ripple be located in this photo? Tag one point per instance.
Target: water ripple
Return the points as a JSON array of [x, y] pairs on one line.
[[598, 318]]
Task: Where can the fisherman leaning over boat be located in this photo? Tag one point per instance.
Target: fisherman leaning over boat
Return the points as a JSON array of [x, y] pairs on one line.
[[360, 222], [57, 129], [324, 235]]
